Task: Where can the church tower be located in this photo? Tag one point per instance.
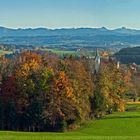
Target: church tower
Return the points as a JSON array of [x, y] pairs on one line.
[[97, 61], [118, 65]]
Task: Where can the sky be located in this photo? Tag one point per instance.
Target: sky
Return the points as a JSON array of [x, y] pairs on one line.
[[70, 13]]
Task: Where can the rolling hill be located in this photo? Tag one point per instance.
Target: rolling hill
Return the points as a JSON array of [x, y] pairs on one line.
[[129, 55]]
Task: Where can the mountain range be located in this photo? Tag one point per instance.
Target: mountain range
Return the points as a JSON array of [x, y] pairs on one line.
[[4, 32], [71, 37]]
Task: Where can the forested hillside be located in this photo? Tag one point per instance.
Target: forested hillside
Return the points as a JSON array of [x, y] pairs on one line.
[[129, 55]]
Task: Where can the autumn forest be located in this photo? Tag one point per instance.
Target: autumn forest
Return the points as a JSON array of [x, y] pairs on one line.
[[43, 92]]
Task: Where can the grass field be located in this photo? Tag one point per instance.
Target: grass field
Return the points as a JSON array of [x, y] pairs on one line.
[[4, 52], [117, 126], [61, 52], [133, 106]]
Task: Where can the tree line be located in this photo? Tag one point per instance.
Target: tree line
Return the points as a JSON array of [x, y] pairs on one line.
[[42, 92]]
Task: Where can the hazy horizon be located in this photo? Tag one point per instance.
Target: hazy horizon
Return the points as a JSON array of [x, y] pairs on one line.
[[70, 14], [55, 28]]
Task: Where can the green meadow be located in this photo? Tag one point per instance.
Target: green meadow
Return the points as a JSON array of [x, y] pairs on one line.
[[61, 52], [117, 126], [2, 52]]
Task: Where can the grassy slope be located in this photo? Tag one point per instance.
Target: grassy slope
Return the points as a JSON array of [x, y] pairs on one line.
[[118, 126]]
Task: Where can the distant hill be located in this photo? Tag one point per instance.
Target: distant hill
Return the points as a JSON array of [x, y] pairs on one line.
[[129, 55], [80, 37], [4, 32]]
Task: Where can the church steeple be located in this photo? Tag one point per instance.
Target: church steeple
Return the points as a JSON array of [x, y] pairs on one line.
[[97, 61], [118, 65]]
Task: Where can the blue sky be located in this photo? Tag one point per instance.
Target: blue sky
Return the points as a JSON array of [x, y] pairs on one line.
[[70, 13]]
